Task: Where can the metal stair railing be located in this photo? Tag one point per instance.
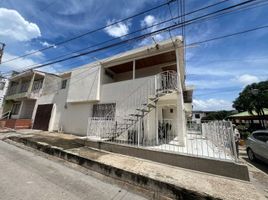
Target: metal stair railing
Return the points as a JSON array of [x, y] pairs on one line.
[[6, 115], [131, 109]]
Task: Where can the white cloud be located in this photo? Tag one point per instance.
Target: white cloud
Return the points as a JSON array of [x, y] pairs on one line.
[[46, 44], [117, 30], [23, 64], [149, 20], [20, 64], [14, 26], [212, 104], [246, 79], [37, 54]]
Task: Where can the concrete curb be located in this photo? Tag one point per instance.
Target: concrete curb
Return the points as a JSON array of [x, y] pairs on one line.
[[161, 189]]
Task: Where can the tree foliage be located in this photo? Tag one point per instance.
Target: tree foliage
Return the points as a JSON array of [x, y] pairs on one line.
[[217, 115], [254, 97]]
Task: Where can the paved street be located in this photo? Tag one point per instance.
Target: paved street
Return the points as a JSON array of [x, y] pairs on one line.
[[26, 176], [258, 172]]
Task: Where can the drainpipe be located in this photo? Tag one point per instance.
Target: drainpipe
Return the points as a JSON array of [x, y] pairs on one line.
[[134, 69], [181, 122]]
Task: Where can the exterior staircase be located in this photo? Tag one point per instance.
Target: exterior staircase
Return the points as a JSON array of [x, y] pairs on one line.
[[130, 113]]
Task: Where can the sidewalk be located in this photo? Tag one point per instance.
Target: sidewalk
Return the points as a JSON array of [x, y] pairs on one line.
[[258, 172], [170, 181]]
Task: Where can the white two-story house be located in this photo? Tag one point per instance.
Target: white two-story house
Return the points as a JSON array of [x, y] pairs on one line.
[[134, 96], [21, 96]]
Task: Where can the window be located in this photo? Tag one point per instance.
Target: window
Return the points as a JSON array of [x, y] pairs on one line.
[[104, 110], [2, 85], [63, 84], [197, 116], [261, 136], [15, 108], [37, 85]]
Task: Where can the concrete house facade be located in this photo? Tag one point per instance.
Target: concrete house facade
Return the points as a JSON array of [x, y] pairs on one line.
[[136, 95], [21, 97], [3, 90], [143, 87]]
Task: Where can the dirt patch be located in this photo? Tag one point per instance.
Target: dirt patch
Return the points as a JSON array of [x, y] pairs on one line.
[[56, 141]]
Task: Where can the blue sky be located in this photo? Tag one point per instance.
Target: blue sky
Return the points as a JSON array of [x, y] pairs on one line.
[[219, 69]]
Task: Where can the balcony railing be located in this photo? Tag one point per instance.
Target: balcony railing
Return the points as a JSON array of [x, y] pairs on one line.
[[17, 89], [37, 85], [12, 90], [24, 87]]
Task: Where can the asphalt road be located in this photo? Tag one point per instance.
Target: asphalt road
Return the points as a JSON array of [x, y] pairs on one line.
[[26, 176]]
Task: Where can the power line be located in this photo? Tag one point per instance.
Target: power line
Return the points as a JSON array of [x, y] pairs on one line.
[[191, 44], [140, 37], [229, 35], [146, 35], [163, 22], [91, 31]]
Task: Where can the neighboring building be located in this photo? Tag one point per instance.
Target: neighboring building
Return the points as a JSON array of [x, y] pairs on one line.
[[143, 88], [20, 100], [3, 90], [198, 115], [247, 118]]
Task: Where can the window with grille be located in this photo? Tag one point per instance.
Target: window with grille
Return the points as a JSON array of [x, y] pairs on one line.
[[63, 84], [104, 111]]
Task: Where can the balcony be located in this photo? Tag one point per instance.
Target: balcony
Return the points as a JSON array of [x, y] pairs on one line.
[[23, 89]]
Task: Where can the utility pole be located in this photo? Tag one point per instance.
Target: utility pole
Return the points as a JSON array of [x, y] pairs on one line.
[[2, 46]]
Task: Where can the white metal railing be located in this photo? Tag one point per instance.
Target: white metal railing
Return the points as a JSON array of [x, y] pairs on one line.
[[133, 106], [37, 85], [215, 141], [6, 115], [220, 135]]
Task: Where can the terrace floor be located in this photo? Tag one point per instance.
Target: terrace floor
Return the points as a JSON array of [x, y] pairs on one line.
[[196, 145]]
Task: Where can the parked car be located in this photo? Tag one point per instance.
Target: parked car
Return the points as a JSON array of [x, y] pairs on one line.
[[257, 146]]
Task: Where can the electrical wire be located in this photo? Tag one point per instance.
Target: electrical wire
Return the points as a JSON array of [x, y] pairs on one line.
[[146, 35]]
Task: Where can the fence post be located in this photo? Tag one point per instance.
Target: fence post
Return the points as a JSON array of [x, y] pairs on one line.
[[233, 141]]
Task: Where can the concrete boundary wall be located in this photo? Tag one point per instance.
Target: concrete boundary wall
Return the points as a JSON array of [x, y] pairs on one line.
[[217, 167]]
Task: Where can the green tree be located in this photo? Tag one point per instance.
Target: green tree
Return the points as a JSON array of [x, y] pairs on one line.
[[217, 115], [254, 97]]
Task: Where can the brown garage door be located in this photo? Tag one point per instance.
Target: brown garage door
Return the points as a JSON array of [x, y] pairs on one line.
[[42, 117]]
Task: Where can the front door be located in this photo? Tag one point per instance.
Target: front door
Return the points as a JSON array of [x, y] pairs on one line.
[[42, 117]]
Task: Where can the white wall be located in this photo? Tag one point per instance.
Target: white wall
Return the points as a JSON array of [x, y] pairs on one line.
[[68, 117], [115, 92], [74, 119], [3, 93], [85, 84], [53, 94]]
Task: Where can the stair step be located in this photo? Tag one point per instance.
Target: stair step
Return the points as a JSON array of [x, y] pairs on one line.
[[124, 124], [153, 98], [149, 105], [131, 120], [142, 110], [136, 115]]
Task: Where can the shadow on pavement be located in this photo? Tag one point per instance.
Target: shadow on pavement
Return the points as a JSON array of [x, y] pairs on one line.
[[258, 164]]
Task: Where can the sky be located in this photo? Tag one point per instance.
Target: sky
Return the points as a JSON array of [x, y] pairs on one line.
[[218, 69]]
